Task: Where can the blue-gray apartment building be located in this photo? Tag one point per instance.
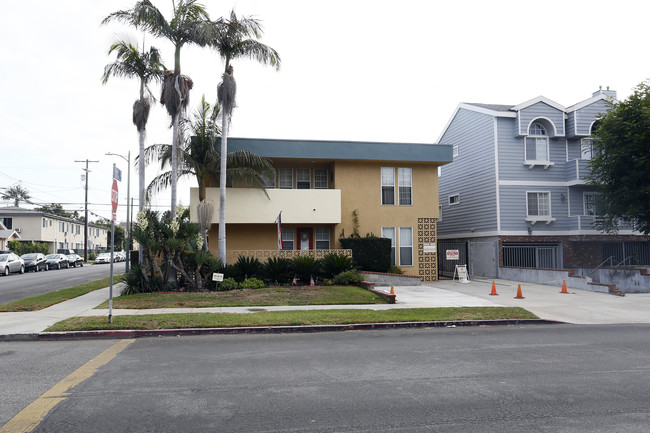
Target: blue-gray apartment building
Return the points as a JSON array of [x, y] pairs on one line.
[[515, 194]]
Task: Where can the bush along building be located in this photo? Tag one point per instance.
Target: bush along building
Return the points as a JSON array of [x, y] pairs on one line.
[[325, 190], [515, 200]]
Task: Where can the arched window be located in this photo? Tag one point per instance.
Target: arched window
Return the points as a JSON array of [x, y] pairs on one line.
[[587, 150], [536, 143]]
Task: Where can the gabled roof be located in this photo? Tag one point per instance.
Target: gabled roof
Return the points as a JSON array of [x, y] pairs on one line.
[[6, 234], [343, 150], [19, 211], [587, 102], [539, 99]]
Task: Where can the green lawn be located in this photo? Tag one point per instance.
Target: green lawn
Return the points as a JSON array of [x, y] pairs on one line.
[[45, 300], [289, 318], [319, 295]]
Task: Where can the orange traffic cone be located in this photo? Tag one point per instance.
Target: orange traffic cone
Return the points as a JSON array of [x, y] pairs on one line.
[[519, 295], [494, 290], [564, 290], [392, 290]]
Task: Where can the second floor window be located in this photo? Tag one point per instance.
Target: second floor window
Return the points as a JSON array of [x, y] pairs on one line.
[[405, 182], [303, 178], [587, 148], [590, 200], [320, 178], [285, 178], [387, 185], [539, 204], [8, 223], [536, 143]]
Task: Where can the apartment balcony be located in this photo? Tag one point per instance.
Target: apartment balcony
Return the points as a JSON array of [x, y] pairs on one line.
[[576, 170], [251, 206]]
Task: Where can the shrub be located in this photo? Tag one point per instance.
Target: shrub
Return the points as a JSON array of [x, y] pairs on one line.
[[333, 264], [277, 270], [92, 256], [395, 270], [305, 267], [228, 284], [252, 283], [370, 253], [247, 267], [136, 282], [348, 277]]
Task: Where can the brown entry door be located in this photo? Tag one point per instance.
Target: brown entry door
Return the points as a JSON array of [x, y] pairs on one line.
[[305, 239]]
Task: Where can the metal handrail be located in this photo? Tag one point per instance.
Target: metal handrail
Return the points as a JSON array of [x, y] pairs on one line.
[[608, 259], [624, 260]]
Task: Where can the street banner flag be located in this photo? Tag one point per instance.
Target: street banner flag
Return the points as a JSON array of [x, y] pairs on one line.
[[117, 173], [280, 245], [311, 282]]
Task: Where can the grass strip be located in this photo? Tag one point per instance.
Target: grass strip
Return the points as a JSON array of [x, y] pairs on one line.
[[289, 318], [38, 302], [318, 295]]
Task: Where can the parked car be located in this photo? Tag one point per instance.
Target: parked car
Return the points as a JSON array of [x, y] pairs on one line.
[[103, 258], [120, 256], [75, 260], [65, 251], [57, 261], [34, 262], [10, 262]]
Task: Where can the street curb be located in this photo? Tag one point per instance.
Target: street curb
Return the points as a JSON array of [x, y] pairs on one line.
[[108, 334]]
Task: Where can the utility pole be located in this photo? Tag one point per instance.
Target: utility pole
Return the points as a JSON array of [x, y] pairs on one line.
[[86, 212]]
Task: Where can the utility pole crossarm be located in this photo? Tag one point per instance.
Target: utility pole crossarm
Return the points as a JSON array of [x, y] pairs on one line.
[[86, 210]]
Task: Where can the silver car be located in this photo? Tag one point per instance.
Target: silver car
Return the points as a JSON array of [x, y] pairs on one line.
[[11, 263]]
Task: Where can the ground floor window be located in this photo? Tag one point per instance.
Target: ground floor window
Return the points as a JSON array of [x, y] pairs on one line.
[[287, 238], [406, 246], [322, 238], [389, 233], [539, 256]]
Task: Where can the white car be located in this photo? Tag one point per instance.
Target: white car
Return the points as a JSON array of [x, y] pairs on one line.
[[11, 263], [103, 258]]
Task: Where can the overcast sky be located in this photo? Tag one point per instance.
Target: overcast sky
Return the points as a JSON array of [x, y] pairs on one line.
[[364, 70]]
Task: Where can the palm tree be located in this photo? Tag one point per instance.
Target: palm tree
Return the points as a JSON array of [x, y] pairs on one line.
[[147, 66], [17, 194], [189, 24], [235, 37], [201, 159]]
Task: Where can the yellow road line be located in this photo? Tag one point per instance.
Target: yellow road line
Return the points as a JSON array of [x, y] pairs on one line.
[[30, 417]]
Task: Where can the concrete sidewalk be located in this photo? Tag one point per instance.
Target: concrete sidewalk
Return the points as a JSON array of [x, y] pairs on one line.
[[580, 307]]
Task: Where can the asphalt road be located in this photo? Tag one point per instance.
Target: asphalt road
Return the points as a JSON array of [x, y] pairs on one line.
[[552, 378], [17, 286]]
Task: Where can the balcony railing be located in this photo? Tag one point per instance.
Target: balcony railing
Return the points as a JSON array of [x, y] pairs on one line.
[[576, 170], [251, 206]]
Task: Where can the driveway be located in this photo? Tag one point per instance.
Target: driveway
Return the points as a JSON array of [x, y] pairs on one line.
[[579, 306]]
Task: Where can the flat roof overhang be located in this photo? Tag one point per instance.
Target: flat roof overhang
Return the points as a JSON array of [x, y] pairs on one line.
[[343, 150]]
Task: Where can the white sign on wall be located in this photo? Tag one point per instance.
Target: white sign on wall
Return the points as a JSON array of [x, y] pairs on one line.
[[452, 254], [429, 247]]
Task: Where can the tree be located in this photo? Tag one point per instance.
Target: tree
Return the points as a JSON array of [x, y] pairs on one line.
[[56, 209], [620, 168], [16, 193], [235, 37], [120, 237], [202, 159], [146, 66], [189, 24]]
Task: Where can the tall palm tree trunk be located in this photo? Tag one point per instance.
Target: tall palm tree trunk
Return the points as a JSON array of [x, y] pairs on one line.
[[222, 190]]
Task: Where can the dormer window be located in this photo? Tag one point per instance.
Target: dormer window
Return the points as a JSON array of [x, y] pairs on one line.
[[536, 146]]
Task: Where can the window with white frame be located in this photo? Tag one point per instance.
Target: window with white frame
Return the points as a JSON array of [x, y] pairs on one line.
[[587, 148], [285, 178], [388, 185], [590, 201], [536, 143], [320, 178], [405, 182], [454, 199], [269, 180], [287, 238], [455, 150], [538, 204], [303, 178], [389, 233], [322, 238], [406, 246], [8, 223], [44, 222]]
